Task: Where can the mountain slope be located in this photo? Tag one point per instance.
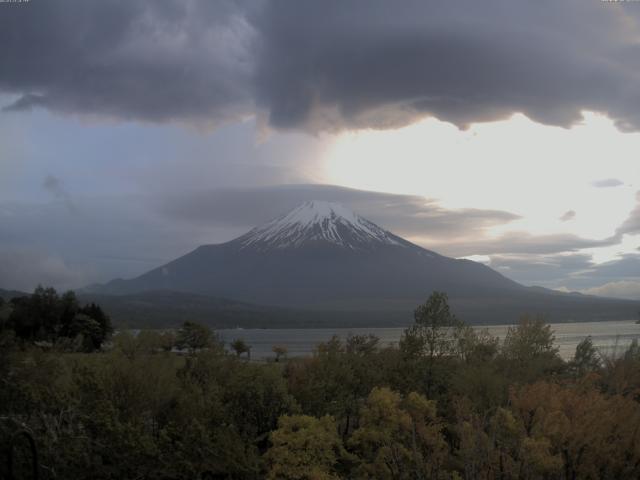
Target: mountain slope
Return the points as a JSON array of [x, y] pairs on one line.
[[166, 308], [9, 294], [317, 254], [322, 256]]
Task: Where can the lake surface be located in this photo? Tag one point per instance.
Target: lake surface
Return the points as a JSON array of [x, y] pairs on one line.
[[609, 337]]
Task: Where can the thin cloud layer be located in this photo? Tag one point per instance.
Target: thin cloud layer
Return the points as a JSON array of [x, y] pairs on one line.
[[618, 278], [522, 243], [608, 183], [24, 268], [573, 271], [628, 289], [105, 238], [56, 188], [541, 269], [407, 215], [453, 232], [323, 65]]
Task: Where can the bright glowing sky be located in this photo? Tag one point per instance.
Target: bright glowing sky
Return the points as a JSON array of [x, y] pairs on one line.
[[538, 172]]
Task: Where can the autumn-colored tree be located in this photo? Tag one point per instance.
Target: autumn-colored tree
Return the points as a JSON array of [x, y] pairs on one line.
[[473, 447], [506, 434], [399, 438], [621, 373], [305, 448], [537, 460], [575, 426]]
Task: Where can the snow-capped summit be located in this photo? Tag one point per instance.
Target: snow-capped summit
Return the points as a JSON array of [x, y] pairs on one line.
[[316, 222], [325, 260]]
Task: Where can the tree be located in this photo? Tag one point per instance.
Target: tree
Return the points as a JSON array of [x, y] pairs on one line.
[[532, 337], [586, 358], [538, 460], [305, 448], [506, 433], [87, 330], [5, 313], [331, 348], [362, 344], [47, 316], [476, 347], [633, 352], [528, 349], [194, 336], [146, 342], [581, 432], [411, 343], [69, 307], [473, 445], [94, 311], [280, 351], [399, 438], [433, 336], [435, 326], [36, 317], [240, 346]]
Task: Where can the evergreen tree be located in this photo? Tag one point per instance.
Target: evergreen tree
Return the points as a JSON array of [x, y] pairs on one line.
[[586, 358]]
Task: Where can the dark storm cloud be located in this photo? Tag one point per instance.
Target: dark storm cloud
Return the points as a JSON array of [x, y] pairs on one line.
[[150, 60], [323, 65], [406, 215]]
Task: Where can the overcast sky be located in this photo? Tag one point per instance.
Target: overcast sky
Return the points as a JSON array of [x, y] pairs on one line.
[[506, 132]]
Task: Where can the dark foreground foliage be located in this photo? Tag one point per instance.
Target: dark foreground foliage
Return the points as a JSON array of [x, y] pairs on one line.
[[446, 403], [55, 320]]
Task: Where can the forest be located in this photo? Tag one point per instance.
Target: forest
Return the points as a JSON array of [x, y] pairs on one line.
[[447, 402]]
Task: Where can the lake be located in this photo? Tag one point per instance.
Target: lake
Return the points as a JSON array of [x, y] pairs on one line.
[[609, 337]]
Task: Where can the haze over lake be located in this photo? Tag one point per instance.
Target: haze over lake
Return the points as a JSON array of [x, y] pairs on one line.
[[608, 337]]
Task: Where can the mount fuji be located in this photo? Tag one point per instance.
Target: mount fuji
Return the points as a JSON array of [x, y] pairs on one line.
[[322, 256]]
